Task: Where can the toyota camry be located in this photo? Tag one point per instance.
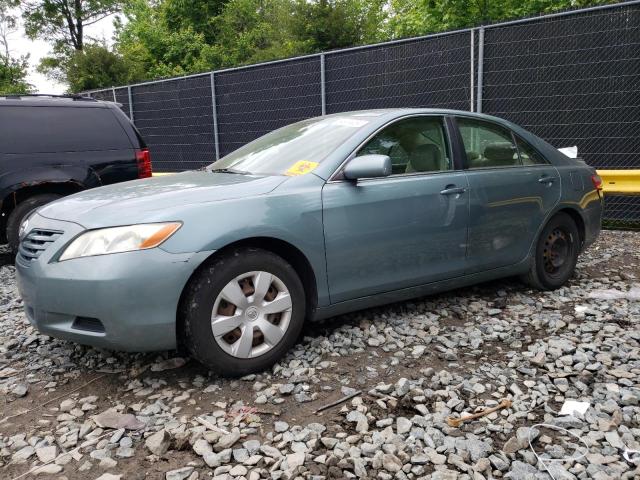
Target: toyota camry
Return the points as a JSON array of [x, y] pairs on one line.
[[321, 217]]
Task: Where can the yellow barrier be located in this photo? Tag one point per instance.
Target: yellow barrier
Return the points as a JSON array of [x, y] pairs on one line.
[[161, 174], [620, 182]]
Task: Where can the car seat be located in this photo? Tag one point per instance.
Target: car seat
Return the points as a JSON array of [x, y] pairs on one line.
[[500, 154], [425, 158]]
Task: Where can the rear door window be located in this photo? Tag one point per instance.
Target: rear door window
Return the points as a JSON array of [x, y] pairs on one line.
[[47, 129], [487, 144]]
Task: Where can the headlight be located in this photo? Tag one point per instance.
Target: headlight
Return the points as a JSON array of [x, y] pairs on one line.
[[119, 239]]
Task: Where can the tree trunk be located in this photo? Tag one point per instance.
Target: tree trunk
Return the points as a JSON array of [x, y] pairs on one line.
[[79, 43]]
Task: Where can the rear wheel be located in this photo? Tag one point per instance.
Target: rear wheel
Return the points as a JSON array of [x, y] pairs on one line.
[[22, 210], [556, 254], [243, 312]]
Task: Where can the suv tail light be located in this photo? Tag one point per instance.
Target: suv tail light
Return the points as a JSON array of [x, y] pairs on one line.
[[144, 163], [597, 182]]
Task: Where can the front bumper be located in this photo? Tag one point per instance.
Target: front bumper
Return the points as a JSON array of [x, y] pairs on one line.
[[125, 301]]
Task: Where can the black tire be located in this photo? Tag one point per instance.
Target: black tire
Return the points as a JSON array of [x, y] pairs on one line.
[[201, 294], [21, 211], [556, 254]]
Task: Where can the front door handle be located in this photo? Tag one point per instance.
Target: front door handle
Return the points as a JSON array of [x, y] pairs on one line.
[[546, 179], [452, 190]]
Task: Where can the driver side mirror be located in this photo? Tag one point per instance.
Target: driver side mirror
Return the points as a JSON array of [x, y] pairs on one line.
[[368, 166]]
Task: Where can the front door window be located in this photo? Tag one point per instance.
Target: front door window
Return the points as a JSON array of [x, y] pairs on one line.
[[415, 145]]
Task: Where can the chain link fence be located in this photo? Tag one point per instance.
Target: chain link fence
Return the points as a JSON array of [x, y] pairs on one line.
[[427, 72], [253, 101], [572, 78]]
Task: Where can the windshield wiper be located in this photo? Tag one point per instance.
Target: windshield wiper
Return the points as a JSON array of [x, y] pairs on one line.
[[228, 170]]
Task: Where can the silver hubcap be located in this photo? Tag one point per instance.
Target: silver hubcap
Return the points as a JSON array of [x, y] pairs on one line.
[[251, 314]]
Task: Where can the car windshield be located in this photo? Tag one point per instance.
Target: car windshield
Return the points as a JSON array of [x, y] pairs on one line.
[[292, 150]]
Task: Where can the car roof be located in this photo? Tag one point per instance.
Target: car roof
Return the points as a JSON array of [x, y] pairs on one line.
[[35, 100], [412, 110], [386, 114]]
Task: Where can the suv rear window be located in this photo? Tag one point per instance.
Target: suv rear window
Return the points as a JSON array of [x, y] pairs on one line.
[[35, 129]]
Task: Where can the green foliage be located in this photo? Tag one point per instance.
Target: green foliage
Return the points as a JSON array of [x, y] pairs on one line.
[[248, 31], [329, 24], [13, 73], [162, 38], [93, 67], [196, 15], [420, 17], [242, 32], [147, 41], [63, 22], [13, 70], [175, 37]]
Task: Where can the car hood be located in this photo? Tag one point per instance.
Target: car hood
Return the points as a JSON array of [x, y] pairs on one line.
[[155, 199]]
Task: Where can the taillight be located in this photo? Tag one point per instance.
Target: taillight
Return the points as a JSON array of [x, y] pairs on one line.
[[597, 182], [144, 163]]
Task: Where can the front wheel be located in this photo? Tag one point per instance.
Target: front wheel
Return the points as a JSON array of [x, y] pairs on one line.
[[22, 211], [556, 254], [243, 312]]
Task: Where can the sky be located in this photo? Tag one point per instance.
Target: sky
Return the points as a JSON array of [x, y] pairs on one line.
[[21, 45]]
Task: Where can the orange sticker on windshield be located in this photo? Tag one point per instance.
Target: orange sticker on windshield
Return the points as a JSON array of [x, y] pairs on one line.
[[301, 167]]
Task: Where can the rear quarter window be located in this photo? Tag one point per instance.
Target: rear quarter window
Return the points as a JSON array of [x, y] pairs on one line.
[[528, 154], [47, 129]]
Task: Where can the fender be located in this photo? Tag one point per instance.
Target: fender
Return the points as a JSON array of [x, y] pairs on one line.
[[562, 206], [78, 175], [313, 253]]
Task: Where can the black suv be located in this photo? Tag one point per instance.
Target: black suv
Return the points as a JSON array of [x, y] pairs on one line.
[[51, 146]]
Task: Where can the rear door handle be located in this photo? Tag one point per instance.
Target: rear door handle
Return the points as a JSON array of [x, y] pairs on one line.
[[546, 179], [452, 190]]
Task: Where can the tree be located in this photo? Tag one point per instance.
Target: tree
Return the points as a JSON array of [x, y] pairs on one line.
[[147, 40], [13, 70], [13, 74], [245, 31], [250, 31], [176, 37], [199, 15], [63, 22], [162, 38], [420, 17], [94, 67], [329, 24]]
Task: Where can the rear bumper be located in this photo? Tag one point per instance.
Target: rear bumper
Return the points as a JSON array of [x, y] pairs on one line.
[[592, 215], [125, 301]]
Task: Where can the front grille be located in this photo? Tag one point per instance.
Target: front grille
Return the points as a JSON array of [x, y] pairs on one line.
[[37, 242]]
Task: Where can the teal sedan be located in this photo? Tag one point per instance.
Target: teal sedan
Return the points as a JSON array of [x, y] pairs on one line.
[[319, 218]]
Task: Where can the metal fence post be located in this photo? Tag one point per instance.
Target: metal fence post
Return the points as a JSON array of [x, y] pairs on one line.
[[323, 97], [471, 80], [480, 69], [113, 92], [130, 104], [214, 112]]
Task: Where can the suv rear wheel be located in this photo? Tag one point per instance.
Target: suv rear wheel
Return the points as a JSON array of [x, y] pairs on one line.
[[22, 210], [243, 312]]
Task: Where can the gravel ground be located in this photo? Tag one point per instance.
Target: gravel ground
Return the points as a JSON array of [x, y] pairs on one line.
[[80, 413]]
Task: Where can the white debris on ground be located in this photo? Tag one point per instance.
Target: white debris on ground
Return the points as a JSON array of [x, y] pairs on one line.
[[73, 412]]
